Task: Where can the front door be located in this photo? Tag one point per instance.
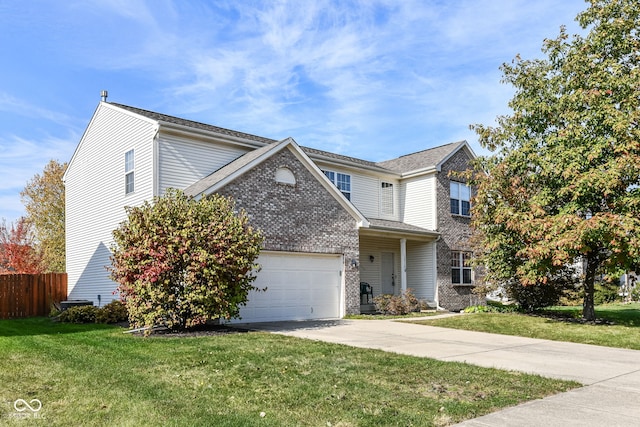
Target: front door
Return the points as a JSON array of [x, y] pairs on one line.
[[388, 273]]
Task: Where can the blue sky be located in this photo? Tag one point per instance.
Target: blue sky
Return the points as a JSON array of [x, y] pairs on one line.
[[370, 79]]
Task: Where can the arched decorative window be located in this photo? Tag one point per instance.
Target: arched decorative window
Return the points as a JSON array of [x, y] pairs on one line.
[[285, 176]]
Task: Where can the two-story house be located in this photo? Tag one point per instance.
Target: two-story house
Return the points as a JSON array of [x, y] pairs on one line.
[[329, 221]]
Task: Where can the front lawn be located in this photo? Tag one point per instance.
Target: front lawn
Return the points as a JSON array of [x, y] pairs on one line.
[[96, 375], [619, 325]]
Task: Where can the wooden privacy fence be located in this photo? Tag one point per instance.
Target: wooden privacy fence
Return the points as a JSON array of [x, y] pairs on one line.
[[25, 295]]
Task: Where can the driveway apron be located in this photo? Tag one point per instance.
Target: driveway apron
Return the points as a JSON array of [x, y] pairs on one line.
[[611, 396]]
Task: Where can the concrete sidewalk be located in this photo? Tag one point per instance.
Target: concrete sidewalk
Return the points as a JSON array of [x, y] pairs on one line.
[[611, 376]]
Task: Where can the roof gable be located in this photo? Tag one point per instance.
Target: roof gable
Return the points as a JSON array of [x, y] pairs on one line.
[[425, 160], [99, 118], [238, 167]]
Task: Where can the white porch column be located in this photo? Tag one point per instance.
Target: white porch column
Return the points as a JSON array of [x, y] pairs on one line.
[[403, 264]]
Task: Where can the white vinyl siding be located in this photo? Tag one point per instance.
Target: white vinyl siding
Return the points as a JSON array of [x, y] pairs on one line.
[[95, 198], [421, 265], [365, 194], [374, 201], [419, 200], [370, 272], [420, 269], [182, 162]]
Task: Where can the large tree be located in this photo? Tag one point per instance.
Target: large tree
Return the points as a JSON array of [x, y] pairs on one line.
[[44, 201], [180, 261], [562, 187]]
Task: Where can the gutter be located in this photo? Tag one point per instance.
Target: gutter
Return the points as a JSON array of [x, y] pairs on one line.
[[189, 130]]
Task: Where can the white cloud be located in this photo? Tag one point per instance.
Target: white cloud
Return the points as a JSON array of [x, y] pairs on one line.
[[13, 105], [368, 78], [349, 66]]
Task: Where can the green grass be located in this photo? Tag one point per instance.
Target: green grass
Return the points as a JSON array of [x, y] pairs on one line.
[[96, 375], [620, 314], [620, 329]]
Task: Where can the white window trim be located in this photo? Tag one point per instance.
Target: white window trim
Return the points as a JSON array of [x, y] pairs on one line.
[[131, 172], [462, 268], [460, 199], [334, 180]]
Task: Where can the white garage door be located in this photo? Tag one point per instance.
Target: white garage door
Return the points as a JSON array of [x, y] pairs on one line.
[[299, 287]]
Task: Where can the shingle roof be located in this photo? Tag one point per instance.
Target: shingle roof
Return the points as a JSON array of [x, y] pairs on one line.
[[312, 152], [385, 224], [196, 125], [407, 163], [421, 159]]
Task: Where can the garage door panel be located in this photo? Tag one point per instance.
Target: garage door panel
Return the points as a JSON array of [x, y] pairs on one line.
[[299, 287], [321, 278]]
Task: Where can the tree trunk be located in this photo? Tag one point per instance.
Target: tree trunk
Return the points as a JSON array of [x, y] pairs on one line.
[[588, 310]]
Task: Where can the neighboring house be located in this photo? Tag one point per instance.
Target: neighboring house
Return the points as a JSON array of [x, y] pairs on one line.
[[329, 221], [629, 288]]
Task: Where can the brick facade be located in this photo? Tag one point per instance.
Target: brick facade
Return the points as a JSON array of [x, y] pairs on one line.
[[455, 235], [300, 217]]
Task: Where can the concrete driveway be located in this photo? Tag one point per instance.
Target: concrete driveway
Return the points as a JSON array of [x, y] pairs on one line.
[[611, 396]]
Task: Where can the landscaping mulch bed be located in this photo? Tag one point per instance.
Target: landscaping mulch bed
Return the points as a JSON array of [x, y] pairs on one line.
[[196, 331]]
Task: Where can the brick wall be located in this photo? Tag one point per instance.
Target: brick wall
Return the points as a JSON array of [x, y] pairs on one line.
[[455, 232], [303, 217]]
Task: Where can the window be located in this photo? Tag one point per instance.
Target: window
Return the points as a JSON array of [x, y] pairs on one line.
[[386, 198], [128, 172], [285, 176], [342, 181], [460, 267], [460, 199]]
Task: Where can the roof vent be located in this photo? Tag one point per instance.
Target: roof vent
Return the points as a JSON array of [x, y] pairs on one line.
[[103, 95]]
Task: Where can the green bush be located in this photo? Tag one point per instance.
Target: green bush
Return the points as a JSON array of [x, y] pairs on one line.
[[572, 297], [80, 314], [113, 312], [535, 297], [479, 309], [397, 304], [605, 293], [493, 307], [504, 308]]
